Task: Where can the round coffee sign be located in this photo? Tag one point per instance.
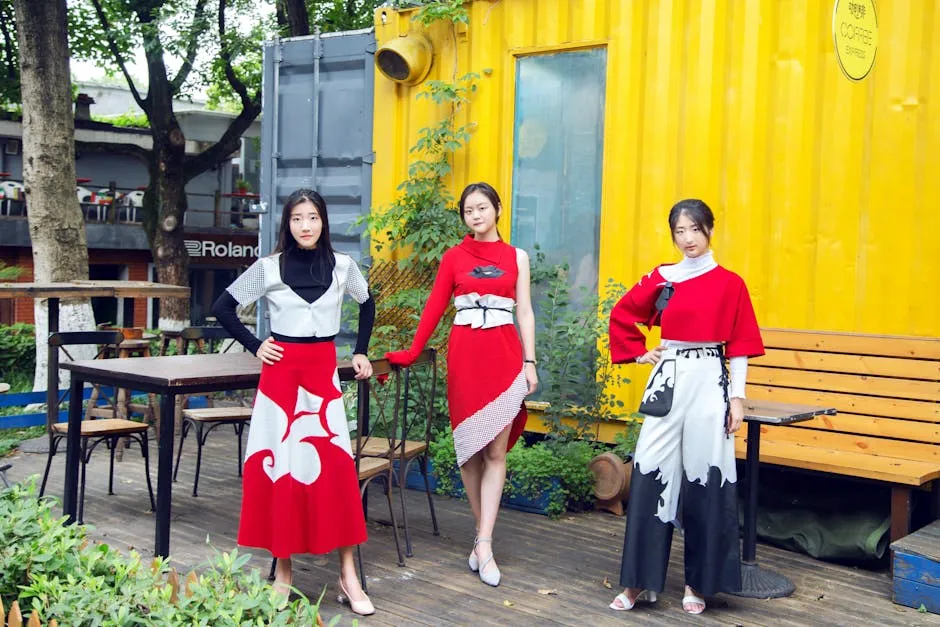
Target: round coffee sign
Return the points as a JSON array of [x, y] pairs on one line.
[[855, 32]]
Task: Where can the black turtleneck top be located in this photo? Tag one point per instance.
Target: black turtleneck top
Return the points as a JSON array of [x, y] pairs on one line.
[[309, 273]]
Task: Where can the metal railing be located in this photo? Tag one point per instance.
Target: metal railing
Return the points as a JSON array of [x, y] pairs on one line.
[[116, 205]]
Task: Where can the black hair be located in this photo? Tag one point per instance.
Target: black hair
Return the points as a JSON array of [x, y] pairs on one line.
[[695, 210], [285, 240], [484, 188], [491, 195]]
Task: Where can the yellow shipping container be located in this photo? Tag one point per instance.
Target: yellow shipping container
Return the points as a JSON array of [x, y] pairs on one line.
[[821, 185]]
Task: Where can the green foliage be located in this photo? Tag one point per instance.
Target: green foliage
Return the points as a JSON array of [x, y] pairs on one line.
[[444, 459], [625, 441], [17, 351], [576, 376], [423, 219], [11, 438], [242, 39], [442, 10], [125, 120], [9, 57], [534, 471], [339, 15], [9, 273], [53, 568], [558, 469]]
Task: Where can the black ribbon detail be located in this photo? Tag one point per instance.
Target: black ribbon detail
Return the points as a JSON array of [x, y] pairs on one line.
[[485, 309]]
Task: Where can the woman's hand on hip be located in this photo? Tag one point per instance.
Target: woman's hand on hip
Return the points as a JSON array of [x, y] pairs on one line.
[[531, 377], [362, 366], [652, 357], [736, 415], [269, 352]]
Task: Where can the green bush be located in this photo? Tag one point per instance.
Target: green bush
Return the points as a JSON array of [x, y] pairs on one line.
[[17, 351], [53, 568], [559, 469], [576, 376], [444, 458], [533, 470]]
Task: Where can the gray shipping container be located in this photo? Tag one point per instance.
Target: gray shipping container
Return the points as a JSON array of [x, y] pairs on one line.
[[316, 132]]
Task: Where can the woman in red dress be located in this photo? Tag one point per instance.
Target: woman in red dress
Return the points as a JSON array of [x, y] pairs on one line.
[[489, 371], [300, 487]]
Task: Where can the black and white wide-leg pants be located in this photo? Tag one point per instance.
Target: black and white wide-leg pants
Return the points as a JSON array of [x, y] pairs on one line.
[[684, 469]]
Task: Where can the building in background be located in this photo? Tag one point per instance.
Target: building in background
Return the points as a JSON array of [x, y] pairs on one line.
[[221, 231]]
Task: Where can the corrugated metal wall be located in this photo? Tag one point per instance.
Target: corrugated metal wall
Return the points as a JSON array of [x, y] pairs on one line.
[[825, 190], [316, 132]]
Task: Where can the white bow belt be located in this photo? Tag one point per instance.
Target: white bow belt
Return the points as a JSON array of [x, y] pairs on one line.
[[483, 312]]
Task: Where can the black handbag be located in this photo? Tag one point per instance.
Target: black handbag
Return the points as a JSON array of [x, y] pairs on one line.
[[657, 397]]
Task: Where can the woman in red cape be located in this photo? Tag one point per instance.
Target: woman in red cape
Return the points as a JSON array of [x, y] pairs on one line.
[[489, 371]]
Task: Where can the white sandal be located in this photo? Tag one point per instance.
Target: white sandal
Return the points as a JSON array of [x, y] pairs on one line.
[[472, 561], [691, 598], [492, 576], [645, 595]]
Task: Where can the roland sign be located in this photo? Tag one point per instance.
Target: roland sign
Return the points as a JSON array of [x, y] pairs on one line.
[[219, 250]]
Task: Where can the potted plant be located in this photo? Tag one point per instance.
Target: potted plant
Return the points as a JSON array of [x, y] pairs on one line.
[[242, 186], [550, 477]]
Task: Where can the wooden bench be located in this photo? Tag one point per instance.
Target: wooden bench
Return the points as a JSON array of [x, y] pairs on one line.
[[886, 390]]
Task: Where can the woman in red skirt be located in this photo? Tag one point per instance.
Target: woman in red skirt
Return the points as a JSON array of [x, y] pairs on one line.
[[489, 371], [300, 488]]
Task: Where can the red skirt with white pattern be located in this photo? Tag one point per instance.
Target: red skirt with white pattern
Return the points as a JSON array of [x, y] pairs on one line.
[[486, 387], [300, 489]]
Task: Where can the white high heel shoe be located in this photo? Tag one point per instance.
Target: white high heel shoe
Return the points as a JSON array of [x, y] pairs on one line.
[[363, 608], [644, 595], [472, 561], [490, 577]]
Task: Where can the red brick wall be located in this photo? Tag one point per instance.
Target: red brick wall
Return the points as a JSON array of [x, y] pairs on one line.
[[23, 307], [137, 271], [136, 262]]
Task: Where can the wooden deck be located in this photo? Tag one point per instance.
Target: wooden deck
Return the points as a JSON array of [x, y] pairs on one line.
[[573, 557]]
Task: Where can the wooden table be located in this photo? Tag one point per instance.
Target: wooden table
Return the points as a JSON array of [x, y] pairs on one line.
[[757, 582], [80, 289], [169, 376]]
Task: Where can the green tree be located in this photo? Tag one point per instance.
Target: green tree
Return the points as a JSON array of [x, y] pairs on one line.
[[9, 56]]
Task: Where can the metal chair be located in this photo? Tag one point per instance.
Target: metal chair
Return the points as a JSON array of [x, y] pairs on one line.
[[13, 195], [95, 431], [407, 450], [203, 421]]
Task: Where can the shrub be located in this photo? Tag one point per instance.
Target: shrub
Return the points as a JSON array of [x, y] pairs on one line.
[[52, 568], [17, 351]]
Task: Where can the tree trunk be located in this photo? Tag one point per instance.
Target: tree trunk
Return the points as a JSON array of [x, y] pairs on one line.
[[56, 225], [294, 13], [168, 183], [169, 251]]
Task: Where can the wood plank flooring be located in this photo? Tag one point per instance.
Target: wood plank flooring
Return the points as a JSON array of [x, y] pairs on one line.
[[573, 557]]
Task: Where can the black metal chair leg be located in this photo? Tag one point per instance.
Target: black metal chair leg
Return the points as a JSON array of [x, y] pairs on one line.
[[112, 444], [402, 475], [145, 451], [81, 495], [183, 431], [199, 442], [391, 514], [239, 429], [362, 573], [53, 445], [273, 566], [423, 465]]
